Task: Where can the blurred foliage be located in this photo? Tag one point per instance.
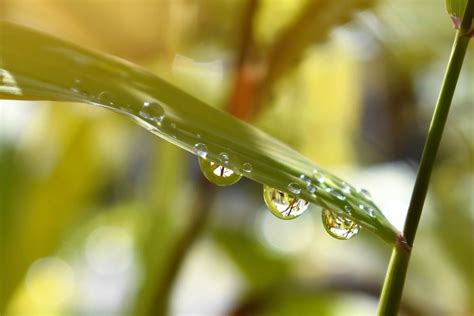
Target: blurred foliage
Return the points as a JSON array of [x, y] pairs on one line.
[[378, 76]]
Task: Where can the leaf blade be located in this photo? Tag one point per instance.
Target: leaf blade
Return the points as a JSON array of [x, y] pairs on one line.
[[39, 67]]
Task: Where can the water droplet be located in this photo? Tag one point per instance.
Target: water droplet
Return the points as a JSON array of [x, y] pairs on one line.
[[370, 211], [319, 177], [311, 188], [247, 167], [338, 226], [152, 111], [338, 195], [224, 157], [346, 189], [305, 179], [173, 126], [282, 204], [348, 209], [200, 149], [105, 97], [78, 88], [217, 173], [365, 193], [294, 188]]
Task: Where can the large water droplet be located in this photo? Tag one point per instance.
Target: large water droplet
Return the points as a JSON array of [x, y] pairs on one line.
[[338, 226], [217, 173], [282, 204], [200, 149], [152, 111]]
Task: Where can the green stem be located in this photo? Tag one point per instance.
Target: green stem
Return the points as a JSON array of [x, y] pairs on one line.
[[396, 273]]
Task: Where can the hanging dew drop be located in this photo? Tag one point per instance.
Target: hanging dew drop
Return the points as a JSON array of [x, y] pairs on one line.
[[338, 226], [217, 173], [224, 158], [282, 204]]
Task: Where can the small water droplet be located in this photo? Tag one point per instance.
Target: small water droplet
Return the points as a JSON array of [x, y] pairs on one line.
[[294, 188], [200, 149], [371, 212], [224, 157], [348, 209], [311, 188], [346, 189], [77, 87], [217, 173], [319, 177], [365, 193], [338, 226], [173, 126], [105, 97], [198, 136], [152, 111], [282, 204], [338, 195], [247, 167], [305, 179]]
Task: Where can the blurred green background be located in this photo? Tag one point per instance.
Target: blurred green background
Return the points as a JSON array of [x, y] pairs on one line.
[[100, 217]]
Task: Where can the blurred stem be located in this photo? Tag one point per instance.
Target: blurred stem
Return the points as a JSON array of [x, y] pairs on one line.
[[202, 206], [206, 191], [396, 273]]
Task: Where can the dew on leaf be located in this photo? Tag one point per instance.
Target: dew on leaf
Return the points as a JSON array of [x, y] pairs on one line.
[[217, 173], [283, 205], [152, 111], [294, 188], [224, 157], [200, 149], [247, 167], [338, 226]]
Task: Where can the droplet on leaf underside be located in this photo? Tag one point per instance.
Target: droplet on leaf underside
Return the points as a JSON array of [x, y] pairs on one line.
[[338, 226], [283, 205], [217, 173]]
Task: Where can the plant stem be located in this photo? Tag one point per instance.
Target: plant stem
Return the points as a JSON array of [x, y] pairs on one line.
[[396, 273]]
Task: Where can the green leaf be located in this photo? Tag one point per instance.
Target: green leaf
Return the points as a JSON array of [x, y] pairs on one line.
[[34, 66], [456, 7]]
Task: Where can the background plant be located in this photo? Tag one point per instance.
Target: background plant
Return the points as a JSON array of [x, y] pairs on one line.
[[227, 233]]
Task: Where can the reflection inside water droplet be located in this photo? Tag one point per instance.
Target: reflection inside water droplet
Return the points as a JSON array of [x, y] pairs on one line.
[[338, 226], [217, 173], [282, 204]]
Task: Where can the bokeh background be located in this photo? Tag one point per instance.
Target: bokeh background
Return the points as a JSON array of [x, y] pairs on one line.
[[100, 217]]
